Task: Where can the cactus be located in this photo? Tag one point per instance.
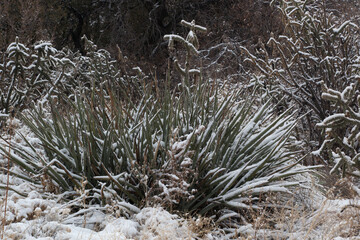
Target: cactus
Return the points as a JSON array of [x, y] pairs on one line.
[[191, 44], [341, 147]]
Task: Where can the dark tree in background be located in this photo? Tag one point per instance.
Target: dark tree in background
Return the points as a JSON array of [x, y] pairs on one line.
[[137, 26]]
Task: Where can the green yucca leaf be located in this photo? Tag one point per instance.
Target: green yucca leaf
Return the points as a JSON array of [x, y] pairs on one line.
[[19, 175], [5, 187], [17, 159]]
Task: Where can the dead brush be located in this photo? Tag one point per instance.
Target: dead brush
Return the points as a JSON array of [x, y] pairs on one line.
[[281, 217], [343, 189], [349, 222], [294, 218], [83, 193], [201, 226]]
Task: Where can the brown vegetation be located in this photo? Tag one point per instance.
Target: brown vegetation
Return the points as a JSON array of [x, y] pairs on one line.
[[137, 26]]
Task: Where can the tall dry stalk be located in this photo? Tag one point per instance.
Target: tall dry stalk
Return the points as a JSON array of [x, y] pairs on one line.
[[7, 186]]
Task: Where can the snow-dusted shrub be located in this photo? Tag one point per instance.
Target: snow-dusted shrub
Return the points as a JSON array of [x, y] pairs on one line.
[[315, 47], [40, 72], [96, 71], [28, 74], [190, 149], [11, 73], [341, 147]]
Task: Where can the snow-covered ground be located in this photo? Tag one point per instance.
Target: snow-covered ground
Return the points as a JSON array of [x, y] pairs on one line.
[[41, 215]]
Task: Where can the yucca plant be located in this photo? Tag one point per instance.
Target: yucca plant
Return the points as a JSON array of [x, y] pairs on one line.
[[189, 149]]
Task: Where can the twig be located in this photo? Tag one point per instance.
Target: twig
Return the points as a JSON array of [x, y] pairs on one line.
[[7, 186]]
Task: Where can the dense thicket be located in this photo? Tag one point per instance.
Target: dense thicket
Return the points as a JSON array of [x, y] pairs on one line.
[[196, 143], [137, 26], [192, 149]]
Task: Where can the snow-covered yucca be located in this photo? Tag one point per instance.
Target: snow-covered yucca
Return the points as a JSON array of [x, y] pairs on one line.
[[190, 149]]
